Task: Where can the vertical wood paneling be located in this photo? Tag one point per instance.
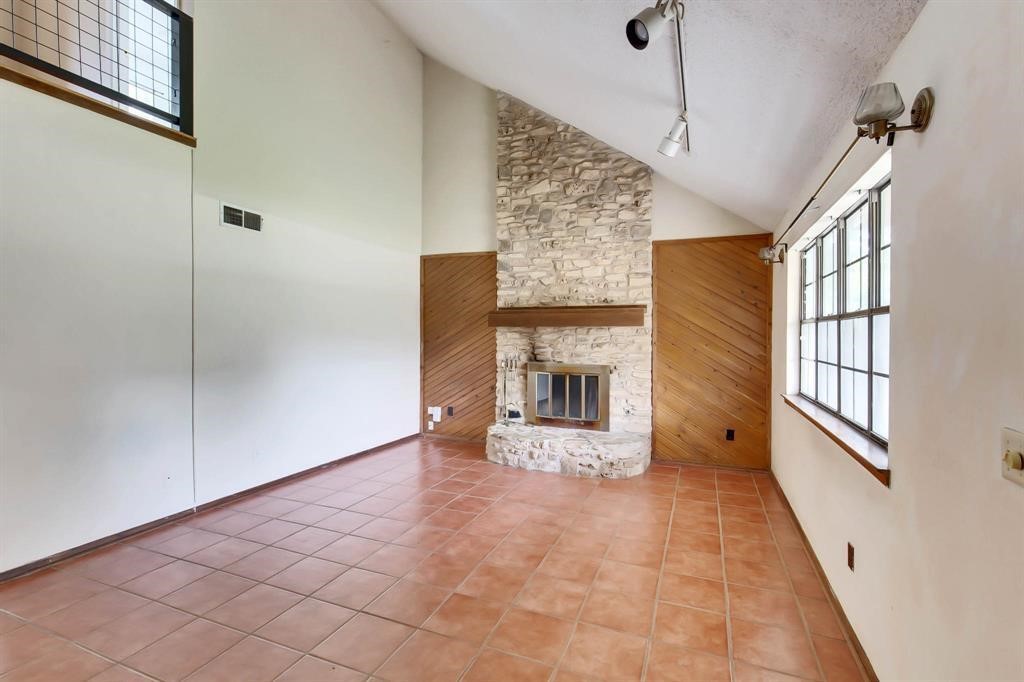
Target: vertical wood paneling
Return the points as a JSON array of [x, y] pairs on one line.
[[459, 348], [712, 360]]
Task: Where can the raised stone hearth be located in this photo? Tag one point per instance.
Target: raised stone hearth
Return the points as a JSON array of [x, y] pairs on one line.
[[575, 452]]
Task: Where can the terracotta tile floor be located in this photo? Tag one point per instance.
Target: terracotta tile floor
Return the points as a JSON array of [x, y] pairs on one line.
[[425, 562]]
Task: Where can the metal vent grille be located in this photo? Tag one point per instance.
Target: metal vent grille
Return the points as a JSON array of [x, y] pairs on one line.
[[252, 221], [231, 215]]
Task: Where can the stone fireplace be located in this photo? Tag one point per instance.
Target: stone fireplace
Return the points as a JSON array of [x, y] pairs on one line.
[[573, 228]]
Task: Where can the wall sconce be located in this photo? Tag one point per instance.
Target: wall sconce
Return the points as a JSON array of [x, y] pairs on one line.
[[879, 107], [881, 104]]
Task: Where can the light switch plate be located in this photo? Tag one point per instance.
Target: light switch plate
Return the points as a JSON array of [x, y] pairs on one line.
[[1012, 442]]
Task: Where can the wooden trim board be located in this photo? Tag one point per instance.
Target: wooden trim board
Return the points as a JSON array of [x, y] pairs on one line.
[[94, 105], [569, 316], [860, 447], [858, 648]]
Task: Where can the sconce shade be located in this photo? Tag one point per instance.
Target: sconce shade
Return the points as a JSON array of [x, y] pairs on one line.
[[879, 102]]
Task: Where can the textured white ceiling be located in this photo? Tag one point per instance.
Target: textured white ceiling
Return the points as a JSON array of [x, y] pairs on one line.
[[769, 84]]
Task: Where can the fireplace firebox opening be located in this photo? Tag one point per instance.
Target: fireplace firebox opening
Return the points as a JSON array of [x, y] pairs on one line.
[[561, 394]]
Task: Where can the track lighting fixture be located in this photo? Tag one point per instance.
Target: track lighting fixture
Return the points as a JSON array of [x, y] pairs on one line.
[[879, 107], [671, 143], [644, 29]]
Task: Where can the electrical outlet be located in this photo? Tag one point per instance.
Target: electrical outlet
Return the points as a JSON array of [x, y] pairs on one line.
[[730, 434], [451, 411], [849, 555], [430, 425], [1012, 454]]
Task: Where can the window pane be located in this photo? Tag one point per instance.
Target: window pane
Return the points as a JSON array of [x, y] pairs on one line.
[[575, 396], [855, 396], [808, 310], [828, 345], [810, 264], [857, 234], [880, 406], [885, 209], [857, 286], [557, 395], [593, 395], [828, 252], [543, 402], [828, 385], [883, 267], [880, 341], [807, 378], [828, 295], [855, 343], [807, 341]]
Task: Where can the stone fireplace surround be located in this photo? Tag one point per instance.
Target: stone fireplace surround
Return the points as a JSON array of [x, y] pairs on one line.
[[573, 228]]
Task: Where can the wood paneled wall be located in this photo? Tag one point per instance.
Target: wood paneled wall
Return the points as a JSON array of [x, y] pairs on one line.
[[458, 364], [712, 360]]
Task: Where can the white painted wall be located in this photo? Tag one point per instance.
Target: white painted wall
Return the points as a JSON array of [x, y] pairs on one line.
[[95, 326], [460, 144], [307, 332], [939, 588], [678, 213]]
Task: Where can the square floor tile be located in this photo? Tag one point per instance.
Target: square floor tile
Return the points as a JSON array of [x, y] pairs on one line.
[[533, 635], [600, 652], [428, 657], [124, 636], [364, 642], [408, 602], [306, 624], [617, 611], [693, 628], [355, 588], [252, 660], [185, 650], [254, 608], [307, 576], [466, 618], [553, 596]]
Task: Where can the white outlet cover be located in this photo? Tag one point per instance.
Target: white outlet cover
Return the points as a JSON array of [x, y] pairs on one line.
[[1012, 441], [430, 426]]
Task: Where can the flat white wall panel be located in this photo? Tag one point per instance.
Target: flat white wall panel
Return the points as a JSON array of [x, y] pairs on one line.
[[937, 589], [460, 146], [307, 332], [95, 326]]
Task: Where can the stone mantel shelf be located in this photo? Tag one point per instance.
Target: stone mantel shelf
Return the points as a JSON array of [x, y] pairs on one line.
[[569, 316]]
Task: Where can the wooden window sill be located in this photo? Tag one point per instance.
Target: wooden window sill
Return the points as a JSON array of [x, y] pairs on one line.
[[866, 452], [94, 105]]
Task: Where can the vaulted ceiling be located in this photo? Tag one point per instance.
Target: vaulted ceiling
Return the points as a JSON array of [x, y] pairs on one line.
[[769, 84]]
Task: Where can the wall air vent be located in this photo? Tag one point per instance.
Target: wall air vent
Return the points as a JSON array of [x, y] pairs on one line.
[[237, 217]]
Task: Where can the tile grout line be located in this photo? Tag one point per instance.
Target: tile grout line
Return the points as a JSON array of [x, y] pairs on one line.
[[725, 582], [649, 648]]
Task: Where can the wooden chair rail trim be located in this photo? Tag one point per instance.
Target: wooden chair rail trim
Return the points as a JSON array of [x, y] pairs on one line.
[[870, 455], [569, 316], [93, 105]]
